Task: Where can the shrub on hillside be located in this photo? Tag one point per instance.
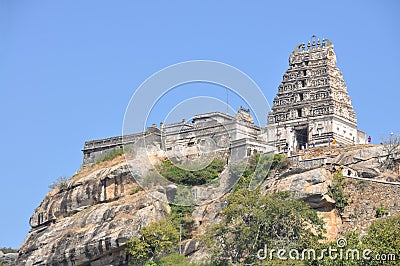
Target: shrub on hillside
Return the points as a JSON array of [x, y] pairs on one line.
[[61, 183], [252, 220], [336, 191], [8, 250], [111, 155], [155, 241], [191, 178], [381, 244]]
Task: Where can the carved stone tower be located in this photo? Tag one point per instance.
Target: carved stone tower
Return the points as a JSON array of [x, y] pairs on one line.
[[312, 107]]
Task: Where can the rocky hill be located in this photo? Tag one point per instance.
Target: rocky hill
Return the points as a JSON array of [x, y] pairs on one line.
[[88, 220]]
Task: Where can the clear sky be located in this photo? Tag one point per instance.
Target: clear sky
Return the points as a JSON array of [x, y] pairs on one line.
[[69, 68]]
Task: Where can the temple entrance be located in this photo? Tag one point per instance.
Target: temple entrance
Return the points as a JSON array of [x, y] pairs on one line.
[[301, 136]]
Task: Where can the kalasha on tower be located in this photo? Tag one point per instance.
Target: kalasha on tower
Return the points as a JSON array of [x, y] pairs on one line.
[[312, 106]]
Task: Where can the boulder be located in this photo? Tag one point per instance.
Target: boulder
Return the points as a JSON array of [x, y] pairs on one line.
[[310, 186], [8, 258], [171, 191], [368, 173], [189, 246]]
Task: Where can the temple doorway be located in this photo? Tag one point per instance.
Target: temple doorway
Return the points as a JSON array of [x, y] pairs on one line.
[[301, 136]]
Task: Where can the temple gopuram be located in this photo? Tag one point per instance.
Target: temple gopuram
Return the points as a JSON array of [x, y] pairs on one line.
[[312, 106]]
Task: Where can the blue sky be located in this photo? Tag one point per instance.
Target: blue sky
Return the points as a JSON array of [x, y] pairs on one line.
[[69, 68]]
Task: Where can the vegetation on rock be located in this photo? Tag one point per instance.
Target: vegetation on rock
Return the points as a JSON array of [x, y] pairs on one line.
[[257, 212], [155, 241], [335, 191], [61, 183], [174, 259], [110, 156], [181, 218], [259, 166], [381, 245], [252, 220], [8, 250], [159, 242], [380, 211], [191, 178], [135, 190]]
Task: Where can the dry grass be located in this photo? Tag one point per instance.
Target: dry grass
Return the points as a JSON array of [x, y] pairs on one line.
[[75, 231], [86, 171], [123, 215]]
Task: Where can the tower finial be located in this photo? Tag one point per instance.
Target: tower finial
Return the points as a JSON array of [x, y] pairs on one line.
[[313, 42]]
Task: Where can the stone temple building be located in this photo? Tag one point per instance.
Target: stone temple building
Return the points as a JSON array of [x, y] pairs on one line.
[[311, 108], [214, 132]]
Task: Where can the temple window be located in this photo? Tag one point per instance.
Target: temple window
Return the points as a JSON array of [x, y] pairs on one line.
[[299, 113]]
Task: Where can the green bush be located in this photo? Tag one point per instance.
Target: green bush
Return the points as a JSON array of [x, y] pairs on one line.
[[382, 238], [183, 196], [335, 191], [182, 216], [252, 220], [135, 190], [155, 241], [191, 178], [380, 211], [258, 167], [159, 241], [174, 259]]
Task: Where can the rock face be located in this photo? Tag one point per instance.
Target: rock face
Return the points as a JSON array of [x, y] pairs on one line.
[[365, 161], [89, 222], [365, 199], [310, 186]]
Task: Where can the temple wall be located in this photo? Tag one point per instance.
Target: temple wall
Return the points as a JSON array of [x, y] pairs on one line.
[[206, 133]]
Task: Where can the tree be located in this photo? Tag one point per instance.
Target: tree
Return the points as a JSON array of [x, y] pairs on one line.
[[8, 250], [61, 183], [383, 237], [252, 220], [336, 191], [391, 148], [156, 240], [382, 243], [181, 217], [352, 240], [258, 167]]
